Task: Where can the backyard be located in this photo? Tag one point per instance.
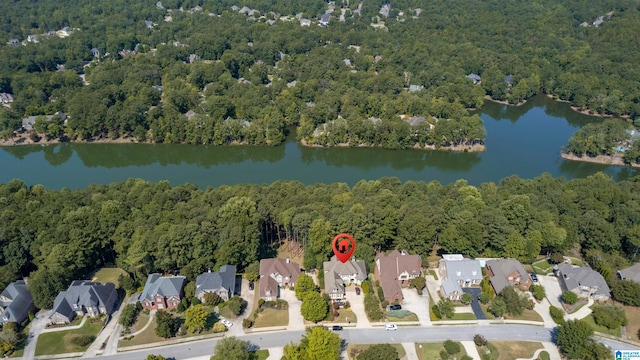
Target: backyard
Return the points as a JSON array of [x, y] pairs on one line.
[[633, 318], [542, 267], [105, 275], [61, 342]]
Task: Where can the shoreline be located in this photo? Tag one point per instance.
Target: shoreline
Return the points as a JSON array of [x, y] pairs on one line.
[[475, 148], [522, 102], [600, 159], [585, 111], [23, 139]]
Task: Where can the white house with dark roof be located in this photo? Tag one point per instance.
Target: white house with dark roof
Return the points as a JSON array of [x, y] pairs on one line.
[[221, 282], [83, 297], [337, 274], [631, 273], [162, 292], [583, 281], [15, 303]]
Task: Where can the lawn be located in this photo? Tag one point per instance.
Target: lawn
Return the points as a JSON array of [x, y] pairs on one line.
[[542, 267], [105, 275], [633, 318], [489, 351], [226, 312], [589, 320], [141, 321], [59, 342], [433, 273], [401, 315], [576, 261], [272, 317], [529, 315], [509, 350], [346, 316], [464, 316], [145, 337], [262, 354], [354, 349], [431, 350], [486, 312]]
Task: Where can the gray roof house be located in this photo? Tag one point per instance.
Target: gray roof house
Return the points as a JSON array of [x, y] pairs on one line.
[[15, 303], [583, 281], [474, 77], [415, 120], [414, 88], [83, 297], [337, 274], [28, 122], [465, 272], [6, 98], [162, 292], [507, 272], [324, 19], [221, 282], [631, 273], [450, 289]]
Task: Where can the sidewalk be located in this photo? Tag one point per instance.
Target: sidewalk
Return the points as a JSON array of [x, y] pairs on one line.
[[410, 349], [275, 353], [470, 348], [152, 315], [65, 328], [108, 331], [584, 311]]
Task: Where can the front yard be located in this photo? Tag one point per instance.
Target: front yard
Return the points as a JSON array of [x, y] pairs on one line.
[[633, 319], [401, 315], [509, 350], [61, 342], [353, 350], [542, 267], [431, 350], [346, 316], [272, 317]]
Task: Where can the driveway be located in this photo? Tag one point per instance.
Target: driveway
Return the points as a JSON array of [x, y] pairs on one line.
[[475, 305], [552, 289], [37, 325], [242, 290], [417, 304], [357, 306], [296, 321], [433, 286]]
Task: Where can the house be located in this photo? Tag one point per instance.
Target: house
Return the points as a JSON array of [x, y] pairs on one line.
[[15, 303], [162, 292], [384, 10], [305, 22], [474, 77], [269, 289], [28, 122], [148, 24], [13, 42], [283, 271], [83, 297], [94, 52], [583, 281], [159, 5], [508, 79], [324, 19], [599, 21], [32, 38], [465, 272], [416, 120], [507, 272], [631, 273], [195, 9], [337, 274], [222, 282], [348, 62], [415, 88], [394, 271], [451, 289], [6, 98]]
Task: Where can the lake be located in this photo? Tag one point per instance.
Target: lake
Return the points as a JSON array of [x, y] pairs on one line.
[[525, 141]]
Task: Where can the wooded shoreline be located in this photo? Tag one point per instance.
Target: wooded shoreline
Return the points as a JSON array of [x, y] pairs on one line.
[[600, 159]]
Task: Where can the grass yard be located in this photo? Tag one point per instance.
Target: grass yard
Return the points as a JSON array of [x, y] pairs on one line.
[[272, 317], [141, 321], [433, 273], [486, 312], [544, 356], [401, 315], [108, 275], [354, 349], [509, 350], [489, 351], [575, 261], [464, 316], [633, 317], [599, 328], [431, 350], [145, 337], [529, 315], [225, 312], [59, 342], [344, 315], [542, 267], [262, 354]]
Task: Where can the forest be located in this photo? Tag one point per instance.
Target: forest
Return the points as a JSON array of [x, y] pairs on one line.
[[55, 237], [202, 72], [609, 138]]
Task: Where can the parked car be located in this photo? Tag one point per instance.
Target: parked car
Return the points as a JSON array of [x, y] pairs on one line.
[[357, 290], [336, 328], [226, 323], [534, 278], [251, 285], [395, 307], [391, 327]]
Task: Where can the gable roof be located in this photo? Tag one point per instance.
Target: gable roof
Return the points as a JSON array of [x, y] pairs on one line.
[[280, 266], [501, 269], [391, 266], [582, 276], [16, 301], [333, 282], [462, 270], [631, 273], [449, 286], [85, 293], [163, 286], [214, 281], [268, 284], [357, 267]]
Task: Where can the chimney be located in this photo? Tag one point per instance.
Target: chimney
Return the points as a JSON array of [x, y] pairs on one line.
[[288, 260], [209, 270]]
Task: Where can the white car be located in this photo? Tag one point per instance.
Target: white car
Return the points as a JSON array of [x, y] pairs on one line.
[[391, 327], [226, 323]]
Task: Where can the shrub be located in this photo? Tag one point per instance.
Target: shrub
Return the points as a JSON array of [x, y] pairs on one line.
[[484, 298], [569, 297], [247, 323], [556, 258], [219, 327], [372, 307], [444, 355], [347, 305], [418, 283], [611, 317], [82, 340], [452, 347], [212, 299], [261, 302], [530, 305], [479, 340], [466, 357], [366, 288], [466, 298], [556, 314], [538, 292]]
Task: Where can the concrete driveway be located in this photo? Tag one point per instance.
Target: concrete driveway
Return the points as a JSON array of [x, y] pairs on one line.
[[242, 290], [475, 305], [357, 306], [296, 321], [35, 329], [417, 304], [552, 289]]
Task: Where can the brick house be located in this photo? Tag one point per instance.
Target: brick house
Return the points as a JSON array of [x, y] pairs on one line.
[[394, 271], [162, 292], [507, 272]]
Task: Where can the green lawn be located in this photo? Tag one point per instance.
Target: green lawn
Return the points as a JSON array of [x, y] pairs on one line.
[[542, 267], [354, 349], [490, 352], [575, 261], [401, 315], [345, 315], [272, 317], [431, 350], [599, 328], [141, 321], [59, 342], [145, 337], [433, 273], [108, 275], [529, 315], [509, 350], [464, 316], [262, 354], [225, 312]]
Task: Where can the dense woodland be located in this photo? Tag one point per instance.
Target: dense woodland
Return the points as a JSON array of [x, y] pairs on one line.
[[57, 236], [610, 137], [251, 79]]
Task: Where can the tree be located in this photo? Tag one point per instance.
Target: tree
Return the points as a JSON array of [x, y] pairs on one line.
[[235, 304], [484, 298], [156, 357], [195, 318], [498, 307], [321, 344], [314, 307], [574, 339], [569, 297], [556, 314], [379, 352], [611, 317], [466, 298], [167, 325], [304, 284], [418, 283], [231, 348], [252, 271], [479, 340], [538, 292], [128, 315], [445, 309], [514, 302], [212, 299], [452, 347]]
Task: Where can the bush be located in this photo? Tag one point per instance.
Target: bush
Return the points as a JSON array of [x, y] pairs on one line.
[[530, 305], [538, 292], [261, 302], [366, 288], [82, 340], [556, 314], [247, 323], [569, 297], [611, 317], [479, 340], [484, 298], [235, 304], [418, 283], [212, 299], [466, 357], [347, 305], [444, 355], [372, 307], [452, 347], [556, 258], [219, 327], [466, 298]]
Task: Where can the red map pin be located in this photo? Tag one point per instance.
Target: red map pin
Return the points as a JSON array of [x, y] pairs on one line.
[[343, 246]]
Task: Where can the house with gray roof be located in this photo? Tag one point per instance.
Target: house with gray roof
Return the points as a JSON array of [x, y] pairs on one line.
[[465, 272], [15, 303], [337, 274], [451, 290], [13, 42], [83, 297], [474, 77], [28, 122], [583, 281], [507, 272], [324, 19], [162, 292], [416, 120], [6, 98], [221, 282], [631, 273], [415, 88]]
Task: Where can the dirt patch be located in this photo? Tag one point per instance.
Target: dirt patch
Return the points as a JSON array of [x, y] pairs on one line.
[[292, 250], [600, 159], [633, 318], [24, 139]]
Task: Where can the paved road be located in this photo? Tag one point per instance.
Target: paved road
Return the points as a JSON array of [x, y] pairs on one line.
[[366, 336]]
